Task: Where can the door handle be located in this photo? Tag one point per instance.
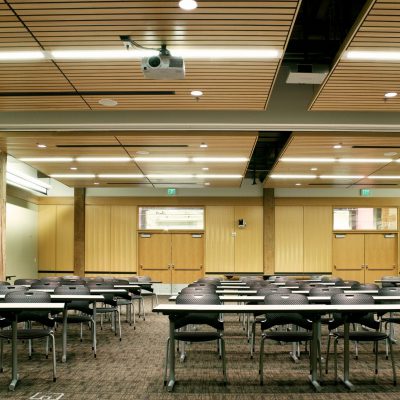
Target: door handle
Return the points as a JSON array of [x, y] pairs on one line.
[[362, 266], [169, 267], [334, 266], [366, 266], [172, 266], [201, 266]]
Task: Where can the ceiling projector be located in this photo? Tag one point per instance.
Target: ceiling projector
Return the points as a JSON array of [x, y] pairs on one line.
[[163, 66]]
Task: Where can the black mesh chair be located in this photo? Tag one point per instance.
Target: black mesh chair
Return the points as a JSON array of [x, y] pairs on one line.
[[212, 320], [273, 320], [356, 317], [11, 288], [390, 281], [209, 279], [364, 286], [73, 281], [4, 283], [79, 311], [110, 306], [346, 283], [125, 299], [210, 289], [147, 290], [51, 279], [45, 285], [23, 281], [28, 333]]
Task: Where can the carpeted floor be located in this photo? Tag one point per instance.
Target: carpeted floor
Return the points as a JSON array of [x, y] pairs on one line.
[[133, 369]]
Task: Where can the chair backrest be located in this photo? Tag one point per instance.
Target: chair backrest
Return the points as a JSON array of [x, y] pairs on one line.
[[387, 281], [347, 283], [80, 305], [4, 283], [283, 318], [117, 281], [71, 282], [67, 277], [267, 290], [144, 278], [45, 285], [306, 286], [325, 291], [12, 288], [93, 279], [25, 296], [51, 279], [202, 284], [389, 291], [352, 299], [24, 281], [364, 286], [132, 278], [209, 279], [198, 289], [205, 298]]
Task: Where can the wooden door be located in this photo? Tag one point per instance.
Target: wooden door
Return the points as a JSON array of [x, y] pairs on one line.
[[187, 255], [380, 255], [155, 256], [348, 256]]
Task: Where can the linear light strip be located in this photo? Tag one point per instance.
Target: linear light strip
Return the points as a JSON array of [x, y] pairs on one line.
[[150, 176], [21, 180], [334, 160], [372, 55]]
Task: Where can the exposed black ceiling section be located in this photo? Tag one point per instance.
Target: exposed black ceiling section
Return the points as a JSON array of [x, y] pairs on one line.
[[319, 30]]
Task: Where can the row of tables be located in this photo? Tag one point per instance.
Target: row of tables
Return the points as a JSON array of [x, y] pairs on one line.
[[242, 293], [57, 305]]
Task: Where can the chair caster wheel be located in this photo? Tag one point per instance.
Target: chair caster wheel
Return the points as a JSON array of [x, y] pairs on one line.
[[47, 357], [95, 356], [54, 379]]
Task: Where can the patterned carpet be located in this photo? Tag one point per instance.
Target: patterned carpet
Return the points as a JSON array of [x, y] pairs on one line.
[[133, 369]]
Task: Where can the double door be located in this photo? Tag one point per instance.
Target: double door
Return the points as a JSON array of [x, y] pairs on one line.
[[364, 257], [171, 257]]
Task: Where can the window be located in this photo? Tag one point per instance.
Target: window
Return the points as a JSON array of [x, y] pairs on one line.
[[171, 218], [362, 219]]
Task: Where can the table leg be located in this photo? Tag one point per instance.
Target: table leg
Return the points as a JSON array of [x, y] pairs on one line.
[[94, 330], [64, 335], [314, 354], [15, 376], [171, 381], [346, 373]]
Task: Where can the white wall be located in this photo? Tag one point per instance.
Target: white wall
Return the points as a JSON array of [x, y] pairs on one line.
[[21, 239]]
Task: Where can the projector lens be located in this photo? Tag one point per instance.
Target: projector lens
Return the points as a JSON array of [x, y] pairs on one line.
[[154, 61]]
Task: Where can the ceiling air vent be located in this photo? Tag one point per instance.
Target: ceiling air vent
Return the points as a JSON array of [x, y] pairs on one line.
[[307, 74]]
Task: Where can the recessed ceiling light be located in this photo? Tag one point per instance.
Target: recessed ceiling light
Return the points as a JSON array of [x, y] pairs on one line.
[[292, 176], [161, 159], [196, 93], [298, 184], [390, 154], [21, 55], [313, 169], [307, 159], [96, 183], [342, 176], [389, 95], [203, 145], [188, 5], [219, 176], [72, 176], [220, 159], [108, 102], [41, 145], [73, 168], [142, 152], [383, 177], [207, 183], [103, 159], [337, 146], [365, 160], [372, 55], [205, 169], [46, 159], [127, 176]]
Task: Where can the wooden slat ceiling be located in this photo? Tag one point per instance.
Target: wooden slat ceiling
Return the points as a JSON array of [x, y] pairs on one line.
[[55, 25], [132, 144], [361, 85], [366, 145]]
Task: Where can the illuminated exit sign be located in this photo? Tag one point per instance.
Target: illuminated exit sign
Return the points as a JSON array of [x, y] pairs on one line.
[[365, 192], [171, 192]]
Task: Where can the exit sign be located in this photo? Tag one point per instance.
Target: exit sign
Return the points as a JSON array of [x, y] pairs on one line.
[[171, 192], [365, 192]]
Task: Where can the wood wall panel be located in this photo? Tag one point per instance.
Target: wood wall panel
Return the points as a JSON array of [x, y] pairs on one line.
[[249, 240], [98, 244], [47, 237], [289, 239], [219, 240], [123, 239], [317, 239], [64, 238]]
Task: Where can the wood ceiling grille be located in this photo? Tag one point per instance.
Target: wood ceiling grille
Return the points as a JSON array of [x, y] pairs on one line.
[[227, 84], [361, 85]]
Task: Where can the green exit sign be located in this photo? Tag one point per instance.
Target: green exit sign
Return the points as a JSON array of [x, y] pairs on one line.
[[365, 192], [171, 192]]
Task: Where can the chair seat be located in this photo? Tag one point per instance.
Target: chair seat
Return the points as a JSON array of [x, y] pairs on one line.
[[123, 302], [289, 336], [363, 336], [197, 336], [25, 334], [74, 319]]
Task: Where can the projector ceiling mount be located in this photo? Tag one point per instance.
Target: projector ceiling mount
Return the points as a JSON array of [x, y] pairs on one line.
[[162, 66]]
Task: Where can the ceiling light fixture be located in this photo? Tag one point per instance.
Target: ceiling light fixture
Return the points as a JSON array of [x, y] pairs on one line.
[[390, 154], [313, 169], [219, 176], [220, 159], [126, 176], [341, 176], [196, 93], [72, 176], [96, 183], [103, 159], [203, 145], [21, 55], [365, 160], [108, 102], [389, 95], [46, 159], [101, 54], [206, 183], [142, 152], [337, 146], [188, 5], [372, 55], [41, 146], [298, 184], [292, 176], [161, 159], [383, 177], [205, 169], [307, 159], [23, 181], [170, 176], [73, 168]]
